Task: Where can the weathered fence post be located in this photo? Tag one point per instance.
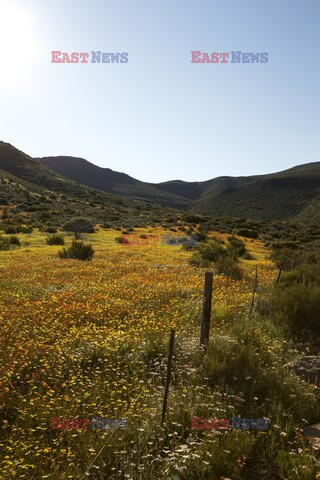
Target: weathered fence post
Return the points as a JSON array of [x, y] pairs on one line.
[[293, 261], [255, 284], [166, 390], [281, 268], [206, 309]]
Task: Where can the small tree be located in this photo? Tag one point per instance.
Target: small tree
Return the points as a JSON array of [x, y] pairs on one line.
[[78, 226]]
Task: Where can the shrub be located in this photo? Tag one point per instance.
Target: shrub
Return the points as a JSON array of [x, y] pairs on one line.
[[4, 243], [211, 251], [245, 232], [78, 226], [202, 236], [78, 251], [285, 244], [229, 267], [194, 218], [196, 260], [304, 274], [55, 240], [10, 229], [26, 229], [14, 240], [250, 358], [285, 257], [236, 247], [247, 256], [51, 230], [298, 307]]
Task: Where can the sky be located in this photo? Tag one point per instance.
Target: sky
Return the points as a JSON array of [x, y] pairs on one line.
[[159, 116]]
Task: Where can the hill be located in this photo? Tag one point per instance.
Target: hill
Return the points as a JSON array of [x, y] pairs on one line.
[[291, 194], [32, 194], [107, 180]]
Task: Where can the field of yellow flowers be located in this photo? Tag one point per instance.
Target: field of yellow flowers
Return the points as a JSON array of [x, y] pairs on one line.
[[84, 339]]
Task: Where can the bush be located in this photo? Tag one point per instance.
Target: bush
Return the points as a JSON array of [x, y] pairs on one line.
[[55, 240], [51, 230], [211, 251], [4, 243], [197, 261], [26, 229], [229, 267], [202, 236], [194, 218], [78, 226], [78, 251], [304, 274], [14, 240], [10, 229], [236, 247], [245, 232], [298, 307], [285, 257]]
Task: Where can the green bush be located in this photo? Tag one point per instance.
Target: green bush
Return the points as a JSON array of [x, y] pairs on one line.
[[78, 251], [196, 260], [285, 257], [4, 243], [304, 274], [211, 251], [247, 233], [253, 358], [236, 247], [26, 229], [51, 230], [229, 267], [10, 229], [193, 218], [55, 240], [14, 240], [202, 236], [298, 308]]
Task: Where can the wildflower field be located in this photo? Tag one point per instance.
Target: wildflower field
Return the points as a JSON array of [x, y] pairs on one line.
[[89, 339]]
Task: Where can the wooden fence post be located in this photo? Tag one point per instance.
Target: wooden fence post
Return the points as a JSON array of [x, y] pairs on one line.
[[281, 268], [255, 284], [206, 310], [166, 390]]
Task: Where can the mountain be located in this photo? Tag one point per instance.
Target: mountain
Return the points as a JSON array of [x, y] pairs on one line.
[[105, 179], [278, 196], [291, 194], [33, 194]]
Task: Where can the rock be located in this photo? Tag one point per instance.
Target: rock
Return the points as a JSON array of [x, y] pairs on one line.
[[308, 368]]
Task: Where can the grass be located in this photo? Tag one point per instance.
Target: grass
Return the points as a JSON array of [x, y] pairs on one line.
[[83, 340]]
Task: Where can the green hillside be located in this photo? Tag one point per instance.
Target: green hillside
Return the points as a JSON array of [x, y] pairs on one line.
[[291, 194], [32, 194]]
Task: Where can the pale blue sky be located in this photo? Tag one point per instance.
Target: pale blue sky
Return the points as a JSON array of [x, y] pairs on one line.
[[160, 117]]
